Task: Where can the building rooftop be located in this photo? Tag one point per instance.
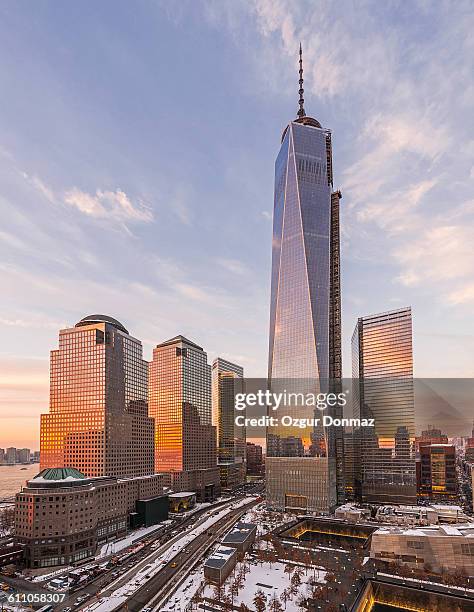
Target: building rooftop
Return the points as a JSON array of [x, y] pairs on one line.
[[239, 533], [99, 318], [59, 474], [464, 530], [182, 494], [220, 557], [180, 339]]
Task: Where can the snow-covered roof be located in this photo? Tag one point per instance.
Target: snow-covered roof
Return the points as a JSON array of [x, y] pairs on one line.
[[182, 494], [220, 556]]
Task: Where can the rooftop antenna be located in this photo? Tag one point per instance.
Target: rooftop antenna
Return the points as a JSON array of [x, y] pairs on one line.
[[301, 111]]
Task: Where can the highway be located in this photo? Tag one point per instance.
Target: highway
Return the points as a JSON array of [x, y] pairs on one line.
[[164, 581], [156, 592], [92, 588]]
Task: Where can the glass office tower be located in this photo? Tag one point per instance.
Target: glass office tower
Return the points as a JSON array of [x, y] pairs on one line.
[[382, 369], [180, 402], [305, 334], [227, 381], [98, 421]]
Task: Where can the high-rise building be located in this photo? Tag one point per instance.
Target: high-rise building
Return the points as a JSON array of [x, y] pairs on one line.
[[180, 403], [10, 455], [438, 478], [227, 380], [305, 324], [469, 447], [433, 435], [23, 455], [98, 421], [254, 459], [382, 369]]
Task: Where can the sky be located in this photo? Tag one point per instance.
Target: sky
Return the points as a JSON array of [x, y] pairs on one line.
[[137, 148]]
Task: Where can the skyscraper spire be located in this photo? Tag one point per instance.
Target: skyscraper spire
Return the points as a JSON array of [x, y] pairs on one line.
[[301, 111]]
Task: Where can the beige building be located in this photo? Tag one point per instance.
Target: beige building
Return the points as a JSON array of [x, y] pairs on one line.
[[98, 417], [61, 515], [180, 403], [300, 484], [442, 547]]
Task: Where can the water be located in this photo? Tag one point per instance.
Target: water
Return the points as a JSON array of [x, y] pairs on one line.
[[13, 477]]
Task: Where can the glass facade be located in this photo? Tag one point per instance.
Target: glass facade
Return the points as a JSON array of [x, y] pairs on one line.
[[98, 420], [180, 403], [383, 390], [227, 381], [304, 347]]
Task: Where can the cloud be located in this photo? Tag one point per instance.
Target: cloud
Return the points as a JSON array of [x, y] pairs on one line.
[[34, 322], [404, 161], [463, 295], [233, 265], [40, 186], [108, 204]]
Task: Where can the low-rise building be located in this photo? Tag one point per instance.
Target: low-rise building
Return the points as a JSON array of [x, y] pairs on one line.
[[351, 513], [442, 547], [61, 515], [421, 515], [220, 564], [182, 502], [241, 537]]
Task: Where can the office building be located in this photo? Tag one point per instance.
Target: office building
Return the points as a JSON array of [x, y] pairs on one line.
[[180, 404], [10, 455], [61, 515], [23, 455], [430, 435], [305, 328], [98, 417], [254, 459], [227, 380], [438, 477], [469, 448], [382, 368]]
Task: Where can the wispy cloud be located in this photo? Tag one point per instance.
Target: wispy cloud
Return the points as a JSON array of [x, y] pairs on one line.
[[40, 186], [114, 205], [233, 265]]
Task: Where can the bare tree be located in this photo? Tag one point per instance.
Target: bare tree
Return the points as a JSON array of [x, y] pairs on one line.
[[275, 605], [260, 600]]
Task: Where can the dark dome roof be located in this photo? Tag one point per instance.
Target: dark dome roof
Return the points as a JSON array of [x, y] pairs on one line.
[[308, 121], [60, 474], [98, 318], [305, 121]]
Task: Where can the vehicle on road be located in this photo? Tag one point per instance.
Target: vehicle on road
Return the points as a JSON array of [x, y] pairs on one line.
[[173, 564]]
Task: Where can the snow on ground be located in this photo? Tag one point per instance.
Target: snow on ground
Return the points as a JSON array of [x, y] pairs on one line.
[[271, 579], [44, 577], [110, 548], [121, 594], [185, 592]]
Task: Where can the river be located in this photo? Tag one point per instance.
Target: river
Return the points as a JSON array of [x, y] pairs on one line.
[[13, 477]]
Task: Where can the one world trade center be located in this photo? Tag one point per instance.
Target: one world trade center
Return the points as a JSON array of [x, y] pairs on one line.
[[304, 466]]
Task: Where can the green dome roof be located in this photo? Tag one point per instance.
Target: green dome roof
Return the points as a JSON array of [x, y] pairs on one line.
[[65, 473]]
